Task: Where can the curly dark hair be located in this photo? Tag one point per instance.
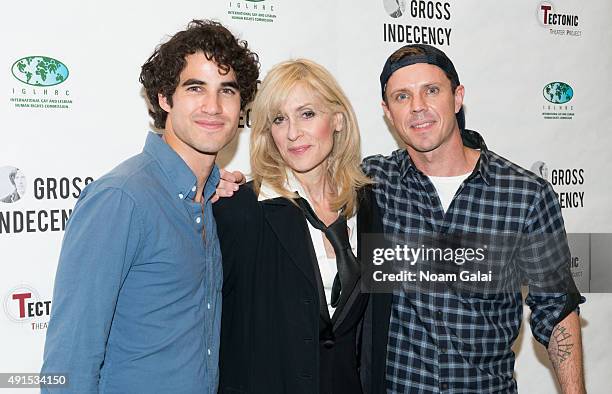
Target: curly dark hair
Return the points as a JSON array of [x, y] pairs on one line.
[[160, 73]]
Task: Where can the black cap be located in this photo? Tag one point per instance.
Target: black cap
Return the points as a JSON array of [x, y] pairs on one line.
[[430, 55]]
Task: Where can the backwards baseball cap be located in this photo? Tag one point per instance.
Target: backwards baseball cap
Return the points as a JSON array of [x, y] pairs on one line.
[[423, 54]]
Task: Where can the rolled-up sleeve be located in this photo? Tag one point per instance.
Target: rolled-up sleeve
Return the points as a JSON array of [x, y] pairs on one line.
[[544, 259], [100, 244]]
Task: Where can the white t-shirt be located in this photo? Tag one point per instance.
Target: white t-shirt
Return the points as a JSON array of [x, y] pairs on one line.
[[447, 186], [327, 266]]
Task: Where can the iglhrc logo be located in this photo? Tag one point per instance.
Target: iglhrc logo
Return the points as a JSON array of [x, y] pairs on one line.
[[40, 71]]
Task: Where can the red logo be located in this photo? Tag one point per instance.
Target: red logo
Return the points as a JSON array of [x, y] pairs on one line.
[[23, 304]]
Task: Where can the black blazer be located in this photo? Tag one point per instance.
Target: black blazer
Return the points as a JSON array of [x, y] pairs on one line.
[[276, 332], [375, 334]]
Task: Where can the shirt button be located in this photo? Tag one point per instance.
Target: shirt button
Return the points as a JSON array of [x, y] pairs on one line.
[[208, 305], [181, 196], [439, 314], [444, 386], [208, 352], [443, 350], [193, 189], [198, 219]]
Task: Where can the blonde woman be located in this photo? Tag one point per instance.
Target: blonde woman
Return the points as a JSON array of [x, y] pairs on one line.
[[291, 297]]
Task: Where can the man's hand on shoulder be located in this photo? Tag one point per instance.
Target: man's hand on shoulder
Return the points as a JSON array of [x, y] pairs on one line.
[[229, 183]]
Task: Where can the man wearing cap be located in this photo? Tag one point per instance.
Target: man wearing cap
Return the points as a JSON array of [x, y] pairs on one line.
[[446, 181]]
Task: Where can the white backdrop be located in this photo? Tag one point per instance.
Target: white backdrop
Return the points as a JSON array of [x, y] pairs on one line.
[[60, 136]]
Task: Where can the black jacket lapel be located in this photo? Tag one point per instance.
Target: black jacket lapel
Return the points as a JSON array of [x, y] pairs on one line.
[[289, 226]]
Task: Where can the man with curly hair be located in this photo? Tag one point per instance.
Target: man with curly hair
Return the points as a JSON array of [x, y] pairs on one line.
[[137, 298]]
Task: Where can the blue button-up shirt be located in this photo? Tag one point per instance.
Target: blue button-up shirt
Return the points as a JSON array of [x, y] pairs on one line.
[[137, 298]]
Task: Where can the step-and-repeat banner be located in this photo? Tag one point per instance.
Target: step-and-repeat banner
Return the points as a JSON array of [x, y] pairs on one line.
[[536, 74]]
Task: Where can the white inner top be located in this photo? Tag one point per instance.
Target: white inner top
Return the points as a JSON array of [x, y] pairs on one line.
[[327, 265], [447, 186]]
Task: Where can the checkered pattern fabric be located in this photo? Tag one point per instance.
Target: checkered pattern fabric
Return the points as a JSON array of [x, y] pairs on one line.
[[453, 342]]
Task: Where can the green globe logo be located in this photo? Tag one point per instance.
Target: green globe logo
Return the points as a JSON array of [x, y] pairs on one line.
[[40, 71], [558, 92]]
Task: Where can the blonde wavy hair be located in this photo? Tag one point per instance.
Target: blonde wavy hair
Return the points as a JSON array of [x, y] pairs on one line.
[[343, 164]]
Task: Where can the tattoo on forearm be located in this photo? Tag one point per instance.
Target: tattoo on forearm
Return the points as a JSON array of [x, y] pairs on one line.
[[564, 343]]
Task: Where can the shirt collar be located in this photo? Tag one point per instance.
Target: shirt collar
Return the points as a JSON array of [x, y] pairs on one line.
[[211, 183], [266, 192], [182, 180], [471, 139]]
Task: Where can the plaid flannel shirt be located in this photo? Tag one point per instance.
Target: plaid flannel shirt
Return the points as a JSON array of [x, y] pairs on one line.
[[454, 342]]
